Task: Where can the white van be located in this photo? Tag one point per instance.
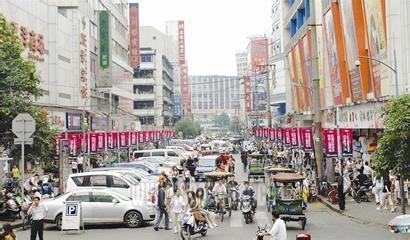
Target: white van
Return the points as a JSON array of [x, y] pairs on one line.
[[114, 181], [170, 155]]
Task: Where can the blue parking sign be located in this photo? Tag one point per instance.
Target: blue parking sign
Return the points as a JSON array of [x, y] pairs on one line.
[[71, 209]]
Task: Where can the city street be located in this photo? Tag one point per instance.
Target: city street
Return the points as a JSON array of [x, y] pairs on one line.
[[322, 223]]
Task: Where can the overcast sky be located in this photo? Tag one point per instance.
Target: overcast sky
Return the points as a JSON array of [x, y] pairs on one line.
[[214, 29]]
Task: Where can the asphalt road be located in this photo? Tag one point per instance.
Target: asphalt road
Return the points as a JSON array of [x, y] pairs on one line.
[[322, 223]]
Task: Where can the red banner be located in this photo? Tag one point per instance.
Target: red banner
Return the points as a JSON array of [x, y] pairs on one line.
[[330, 142], [124, 136], [75, 143], [266, 133], [101, 141], [141, 138], [133, 138], [93, 142], [146, 136], [346, 136], [279, 134], [294, 137], [306, 138], [286, 132], [271, 134], [112, 140]]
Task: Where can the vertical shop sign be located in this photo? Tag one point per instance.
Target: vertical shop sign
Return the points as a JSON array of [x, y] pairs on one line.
[[346, 137], [330, 142]]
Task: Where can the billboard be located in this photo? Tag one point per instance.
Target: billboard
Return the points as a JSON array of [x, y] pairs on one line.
[[299, 77], [377, 44], [351, 48], [134, 36], [248, 93], [333, 60], [307, 69], [293, 81], [105, 79]]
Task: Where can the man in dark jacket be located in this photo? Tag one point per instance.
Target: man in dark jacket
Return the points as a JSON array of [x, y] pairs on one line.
[[162, 208]]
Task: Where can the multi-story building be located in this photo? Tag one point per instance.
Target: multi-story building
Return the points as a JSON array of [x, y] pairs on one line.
[[154, 82], [212, 95], [352, 38], [277, 63], [80, 66], [242, 64]]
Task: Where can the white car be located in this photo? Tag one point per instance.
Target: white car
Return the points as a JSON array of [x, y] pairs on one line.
[[102, 207]]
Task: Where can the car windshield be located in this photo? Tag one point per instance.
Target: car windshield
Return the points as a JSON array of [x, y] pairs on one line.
[[207, 162]]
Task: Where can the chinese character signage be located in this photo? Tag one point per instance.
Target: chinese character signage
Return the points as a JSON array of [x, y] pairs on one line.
[[133, 138], [93, 142], [287, 137], [84, 56], [73, 121], [32, 40], [294, 141], [105, 50], [346, 137], [306, 139], [112, 140], [279, 135], [330, 142], [134, 36], [124, 139], [271, 134]]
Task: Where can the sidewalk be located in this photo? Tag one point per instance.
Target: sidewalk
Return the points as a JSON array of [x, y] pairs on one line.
[[364, 212]]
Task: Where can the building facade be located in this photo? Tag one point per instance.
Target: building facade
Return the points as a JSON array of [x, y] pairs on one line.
[[212, 95], [66, 50], [154, 82], [352, 38]]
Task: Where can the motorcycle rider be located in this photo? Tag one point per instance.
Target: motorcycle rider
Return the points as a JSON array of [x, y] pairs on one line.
[[220, 189], [278, 230], [248, 191], [46, 188]]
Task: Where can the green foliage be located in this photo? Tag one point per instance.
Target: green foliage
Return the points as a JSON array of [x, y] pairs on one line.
[[188, 128], [222, 120], [19, 85], [394, 147]]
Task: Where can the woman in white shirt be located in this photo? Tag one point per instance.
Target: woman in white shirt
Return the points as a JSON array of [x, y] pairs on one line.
[[177, 207]]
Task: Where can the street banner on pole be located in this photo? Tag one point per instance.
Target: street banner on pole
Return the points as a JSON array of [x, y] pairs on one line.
[[346, 136], [330, 141], [112, 140], [271, 134], [287, 137], [279, 134], [124, 139], [133, 138], [146, 136], [93, 142], [100, 141], [294, 138], [306, 138]]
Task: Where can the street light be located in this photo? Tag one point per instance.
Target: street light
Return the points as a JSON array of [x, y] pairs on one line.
[[357, 63]]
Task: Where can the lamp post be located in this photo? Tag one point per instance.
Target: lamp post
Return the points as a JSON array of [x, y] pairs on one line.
[[357, 63]]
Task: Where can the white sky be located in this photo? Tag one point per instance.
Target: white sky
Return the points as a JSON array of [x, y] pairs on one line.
[[214, 29]]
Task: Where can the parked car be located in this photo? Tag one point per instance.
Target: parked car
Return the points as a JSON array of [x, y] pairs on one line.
[[171, 155], [138, 175], [102, 207], [205, 164], [189, 153], [115, 181], [146, 166]]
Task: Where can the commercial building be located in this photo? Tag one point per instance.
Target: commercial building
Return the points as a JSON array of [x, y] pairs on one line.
[[242, 64], [212, 95], [353, 39], [154, 82], [66, 44], [277, 63]]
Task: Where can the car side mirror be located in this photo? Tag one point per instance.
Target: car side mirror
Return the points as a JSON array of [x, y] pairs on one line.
[[115, 201], [149, 171], [161, 165]]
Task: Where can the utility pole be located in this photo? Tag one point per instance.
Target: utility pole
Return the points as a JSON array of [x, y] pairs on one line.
[[316, 99]]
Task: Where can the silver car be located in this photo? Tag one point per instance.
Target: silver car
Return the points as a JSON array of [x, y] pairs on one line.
[[102, 207]]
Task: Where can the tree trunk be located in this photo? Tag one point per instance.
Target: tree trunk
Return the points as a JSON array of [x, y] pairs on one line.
[[403, 202]]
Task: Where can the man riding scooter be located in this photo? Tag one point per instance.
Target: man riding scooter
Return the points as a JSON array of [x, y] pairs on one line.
[[248, 191], [219, 192]]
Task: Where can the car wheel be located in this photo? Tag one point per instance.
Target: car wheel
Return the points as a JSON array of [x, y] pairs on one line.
[[133, 219], [59, 221]]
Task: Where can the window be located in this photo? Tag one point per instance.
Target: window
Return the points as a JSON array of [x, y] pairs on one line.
[[98, 181], [117, 182], [81, 197], [172, 154], [158, 154], [102, 197], [146, 58], [79, 181], [138, 154]]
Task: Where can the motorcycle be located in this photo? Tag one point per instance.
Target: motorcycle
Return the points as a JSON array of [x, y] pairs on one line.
[[246, 208], [9, 208], [359, 193], [312, 191], [190, 226], [261, 232], [234, 194]]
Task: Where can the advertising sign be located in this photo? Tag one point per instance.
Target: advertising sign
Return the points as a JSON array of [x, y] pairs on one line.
[[306, 139], [346, 137], [333, 58], [279, 135], [75, 143], [248, 95], [287, 137], [93, 142], [100, 141], [272, 134], [146, 136], [73, 121], [133, 138], [294, 137], [105, 50], [330, 142], [112, 140], [134, 36]]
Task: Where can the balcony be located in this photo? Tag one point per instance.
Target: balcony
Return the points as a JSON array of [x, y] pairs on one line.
[[143, 81], [145, 96]]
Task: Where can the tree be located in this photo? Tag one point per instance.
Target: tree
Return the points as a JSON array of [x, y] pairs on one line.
[[188, 128], [394, 147], [19, 85], [222, 120]]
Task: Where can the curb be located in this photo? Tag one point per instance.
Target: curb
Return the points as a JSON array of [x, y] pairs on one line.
[[335, 209]]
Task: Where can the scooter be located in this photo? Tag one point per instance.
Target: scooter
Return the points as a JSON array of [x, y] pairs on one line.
[[359, 193], [312, 191], [190, 226], [260, 233], [247, 210], [9, 209], [234, 194]]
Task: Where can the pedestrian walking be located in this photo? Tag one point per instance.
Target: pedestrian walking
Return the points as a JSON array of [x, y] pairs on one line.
[[396, 196], [8, 233], [187, 179], [340, 192], [176, 209], [174, 178], [377, 188], [74, 166], [80, 162], [386, 194], [38, 212], [161, 203], [15, 173]]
